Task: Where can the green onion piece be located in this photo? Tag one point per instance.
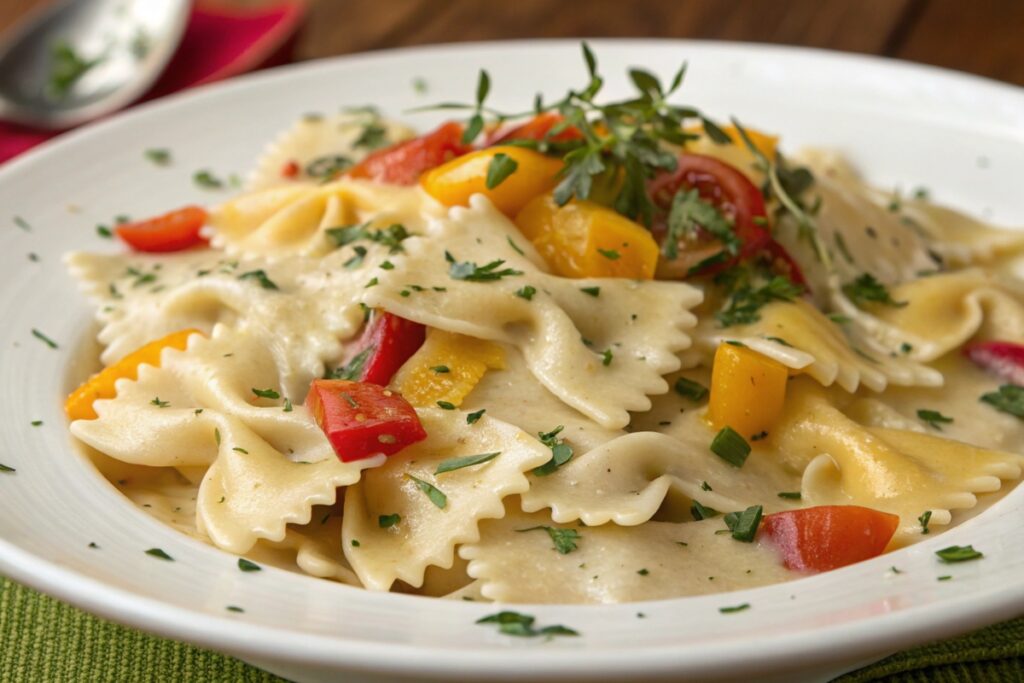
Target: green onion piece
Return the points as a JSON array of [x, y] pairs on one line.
[[731, 447]]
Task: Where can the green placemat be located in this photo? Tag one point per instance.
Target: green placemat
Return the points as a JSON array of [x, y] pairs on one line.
[[42, 639]]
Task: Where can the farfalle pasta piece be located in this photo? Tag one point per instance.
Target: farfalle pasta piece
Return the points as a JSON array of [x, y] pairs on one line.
[[627, 479], [298, 313], [268, 466], [905, 472], [602, 353], [294, 220], [800, 337], [944, 311], [327, 141], [435, 511], [611, 564]]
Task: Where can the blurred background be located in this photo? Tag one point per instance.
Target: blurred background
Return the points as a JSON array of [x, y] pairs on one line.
[[979, 36]]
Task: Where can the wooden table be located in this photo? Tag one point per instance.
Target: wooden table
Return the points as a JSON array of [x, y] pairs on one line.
[[979, 36]]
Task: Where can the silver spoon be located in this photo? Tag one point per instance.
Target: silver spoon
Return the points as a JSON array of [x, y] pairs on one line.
[[80, 59]]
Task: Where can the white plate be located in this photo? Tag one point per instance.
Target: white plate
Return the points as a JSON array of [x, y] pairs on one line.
[[962, 137]]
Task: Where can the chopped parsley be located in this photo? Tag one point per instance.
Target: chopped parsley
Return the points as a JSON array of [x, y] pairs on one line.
[[6, 468], [206, 180], [737, 608], [259, 276], [326, 167], [522, 625], [452, 464], [743, 525], [688, 213], [390, 237], [565, 540], [37, 423], [160, 404], [288, 405], [355, 543], [606, 357], [561, 452], [446, 405], [789, 495], [158, 156], [471, 272], [43, 338], [239, 449], [247, 566], [687, 388], [474, 417], [158, 553], [353, 370], [1008, 399], [266, 393], [436, 495], [104, 231], [371, 137], [866, 289], [22, 223], [700, 512], [731, 447], [526, 292], [959, 553], [610, 254], [500, 168], [923, 520], [745, 301], [947, 577], [357, 259], [515, 246], [441, 369], [934, 418], [592, 291], [388, 521], [235, 608], [67, 66]]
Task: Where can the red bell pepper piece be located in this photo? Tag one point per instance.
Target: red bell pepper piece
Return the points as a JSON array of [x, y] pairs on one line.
[[172, 231], [290, 169], [403, 163], [536, 128], [361, 419], [1002, 358], [727, 189], [386, 343], [828, 536]]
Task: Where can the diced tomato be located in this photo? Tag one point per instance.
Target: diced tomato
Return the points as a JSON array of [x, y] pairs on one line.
[[536, 128], [403, 163], [829, 536], [290, 169], [172, 231], [1003, 358], [362, 419], [725, 187], [386, 343]]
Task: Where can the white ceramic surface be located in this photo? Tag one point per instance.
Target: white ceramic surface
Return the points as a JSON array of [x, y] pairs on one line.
[[962, 137]]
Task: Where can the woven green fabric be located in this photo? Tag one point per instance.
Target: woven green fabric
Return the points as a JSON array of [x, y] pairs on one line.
[[42, 639]]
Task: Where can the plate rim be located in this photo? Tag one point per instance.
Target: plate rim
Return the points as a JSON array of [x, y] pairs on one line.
[[863, 637]]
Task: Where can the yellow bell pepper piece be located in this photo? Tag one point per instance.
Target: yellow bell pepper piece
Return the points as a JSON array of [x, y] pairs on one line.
[[584, 239], [454, 182], [101, 385], [446, 368], [748, 390]]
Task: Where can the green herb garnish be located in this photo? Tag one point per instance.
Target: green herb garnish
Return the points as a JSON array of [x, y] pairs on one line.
[[7, 468], [700, 512], [259, 276], [923, 520], [517, 624], [565, 540], [500, 168], [452, 464], [390, 237], [687, 388], [388, 521], [67, 67], [43, 338], [436, 495], [206, 180], [866, 289], [592, 291], [473, 417], [353, 370], [158, 553], [736, 608], [934, 418], [247, 566], [746, 301], [790, 495], [688, 214], [731, 447], [561, 452], [743, 525], [326, 167], [959, 553], [471, 272], [446, 405], [160, 404], [526, 292], [266, 393], [1008, 399], [159, 156]]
